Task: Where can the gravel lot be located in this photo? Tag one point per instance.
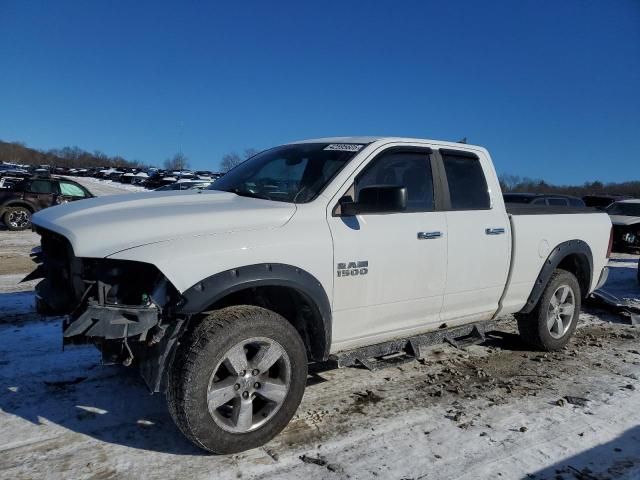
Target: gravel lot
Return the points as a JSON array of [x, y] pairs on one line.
[[492, 411]]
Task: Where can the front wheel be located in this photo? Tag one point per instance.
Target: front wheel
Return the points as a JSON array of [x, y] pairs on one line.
[[237, 379], [17, 218], [552, 323]]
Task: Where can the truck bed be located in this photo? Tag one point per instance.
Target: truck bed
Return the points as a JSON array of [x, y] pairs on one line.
[[536, 231], [524, 209]]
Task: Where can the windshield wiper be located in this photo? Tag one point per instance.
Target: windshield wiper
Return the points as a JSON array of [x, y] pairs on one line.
[[247, 193]]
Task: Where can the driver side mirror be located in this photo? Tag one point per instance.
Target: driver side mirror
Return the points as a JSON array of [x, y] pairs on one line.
[[376, 199]]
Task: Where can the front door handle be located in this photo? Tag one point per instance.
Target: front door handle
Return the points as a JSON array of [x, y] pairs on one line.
[[429, 235], [495, 231]]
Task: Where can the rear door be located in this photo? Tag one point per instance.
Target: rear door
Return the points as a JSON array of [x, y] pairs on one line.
[[479, 238], [40, 193], [390, 269]]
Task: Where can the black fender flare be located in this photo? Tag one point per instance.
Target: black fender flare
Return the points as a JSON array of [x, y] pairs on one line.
[[208, 291], [557, 255]]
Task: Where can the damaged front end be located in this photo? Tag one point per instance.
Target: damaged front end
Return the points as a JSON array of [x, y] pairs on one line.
[[125, 308]]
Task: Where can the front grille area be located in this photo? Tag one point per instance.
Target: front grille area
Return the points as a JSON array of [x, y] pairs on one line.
[[57, 293]]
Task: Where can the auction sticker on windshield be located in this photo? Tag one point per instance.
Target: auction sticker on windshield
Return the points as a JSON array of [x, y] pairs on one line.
[[344, 147]]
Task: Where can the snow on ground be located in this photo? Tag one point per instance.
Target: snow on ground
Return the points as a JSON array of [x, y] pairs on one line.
[[492, 411], [101, 187]]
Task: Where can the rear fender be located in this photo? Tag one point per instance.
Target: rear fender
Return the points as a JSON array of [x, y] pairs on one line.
[[560, 253]]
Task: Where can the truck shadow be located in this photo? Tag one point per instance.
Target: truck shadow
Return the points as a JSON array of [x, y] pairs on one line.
[[110, 404], [55, 392], [619, 458]]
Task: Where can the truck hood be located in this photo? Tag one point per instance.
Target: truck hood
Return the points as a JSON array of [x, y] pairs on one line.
[[624, 220], [100, 227]]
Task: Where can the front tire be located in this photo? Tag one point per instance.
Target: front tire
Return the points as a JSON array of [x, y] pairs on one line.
[[17, 218], [552, 323], [237, 379]]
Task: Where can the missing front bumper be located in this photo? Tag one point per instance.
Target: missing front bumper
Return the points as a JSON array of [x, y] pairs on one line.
[[111, 322]]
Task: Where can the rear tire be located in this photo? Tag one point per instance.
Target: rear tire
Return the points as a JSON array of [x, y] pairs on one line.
[[553, 321], [221, 391], [17, 218]]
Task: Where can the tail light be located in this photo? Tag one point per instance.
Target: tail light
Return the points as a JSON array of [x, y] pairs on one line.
[[610, 249]]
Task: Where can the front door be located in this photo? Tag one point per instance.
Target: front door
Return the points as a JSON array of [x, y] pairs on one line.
[[71, 191], [390, 269]]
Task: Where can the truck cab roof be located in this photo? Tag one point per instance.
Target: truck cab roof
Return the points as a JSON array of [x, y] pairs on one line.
[[388, 139]]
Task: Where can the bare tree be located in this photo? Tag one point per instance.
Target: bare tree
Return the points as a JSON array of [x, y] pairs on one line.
[[509, 182], [250, 152], [178, 162], [233, 159], [229, 161]]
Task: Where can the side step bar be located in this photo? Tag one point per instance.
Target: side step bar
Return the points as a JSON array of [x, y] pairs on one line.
[[382, 355]]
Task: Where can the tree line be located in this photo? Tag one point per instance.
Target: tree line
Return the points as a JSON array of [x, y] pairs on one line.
[[75, 157], [516, 184], [69, 157]]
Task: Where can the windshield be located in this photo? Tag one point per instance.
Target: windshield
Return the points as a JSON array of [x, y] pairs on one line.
[[627, 209], [291, 173]]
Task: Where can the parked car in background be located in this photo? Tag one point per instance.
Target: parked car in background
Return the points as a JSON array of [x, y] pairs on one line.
[[9, 181], [625, 217], [543, 199], [8, 178], [19, 202], [602, 201]]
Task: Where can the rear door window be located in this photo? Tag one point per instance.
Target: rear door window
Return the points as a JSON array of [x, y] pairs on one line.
[[41, 186], [557, 202], [468, 188]]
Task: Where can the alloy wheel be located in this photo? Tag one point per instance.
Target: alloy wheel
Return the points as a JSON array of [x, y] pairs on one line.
[[249, 385], [561, 310]]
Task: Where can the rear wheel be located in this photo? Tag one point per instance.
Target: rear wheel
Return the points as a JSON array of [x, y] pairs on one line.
[[17, 218], [552, 323], [237, 379]]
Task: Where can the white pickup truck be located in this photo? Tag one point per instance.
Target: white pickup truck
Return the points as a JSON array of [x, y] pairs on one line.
[[337, 249]]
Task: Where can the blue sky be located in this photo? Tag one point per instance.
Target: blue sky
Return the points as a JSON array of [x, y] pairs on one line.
[[551, 88]]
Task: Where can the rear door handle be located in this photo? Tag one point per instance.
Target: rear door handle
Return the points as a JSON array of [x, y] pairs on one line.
[[495, 231], [429, 235]]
